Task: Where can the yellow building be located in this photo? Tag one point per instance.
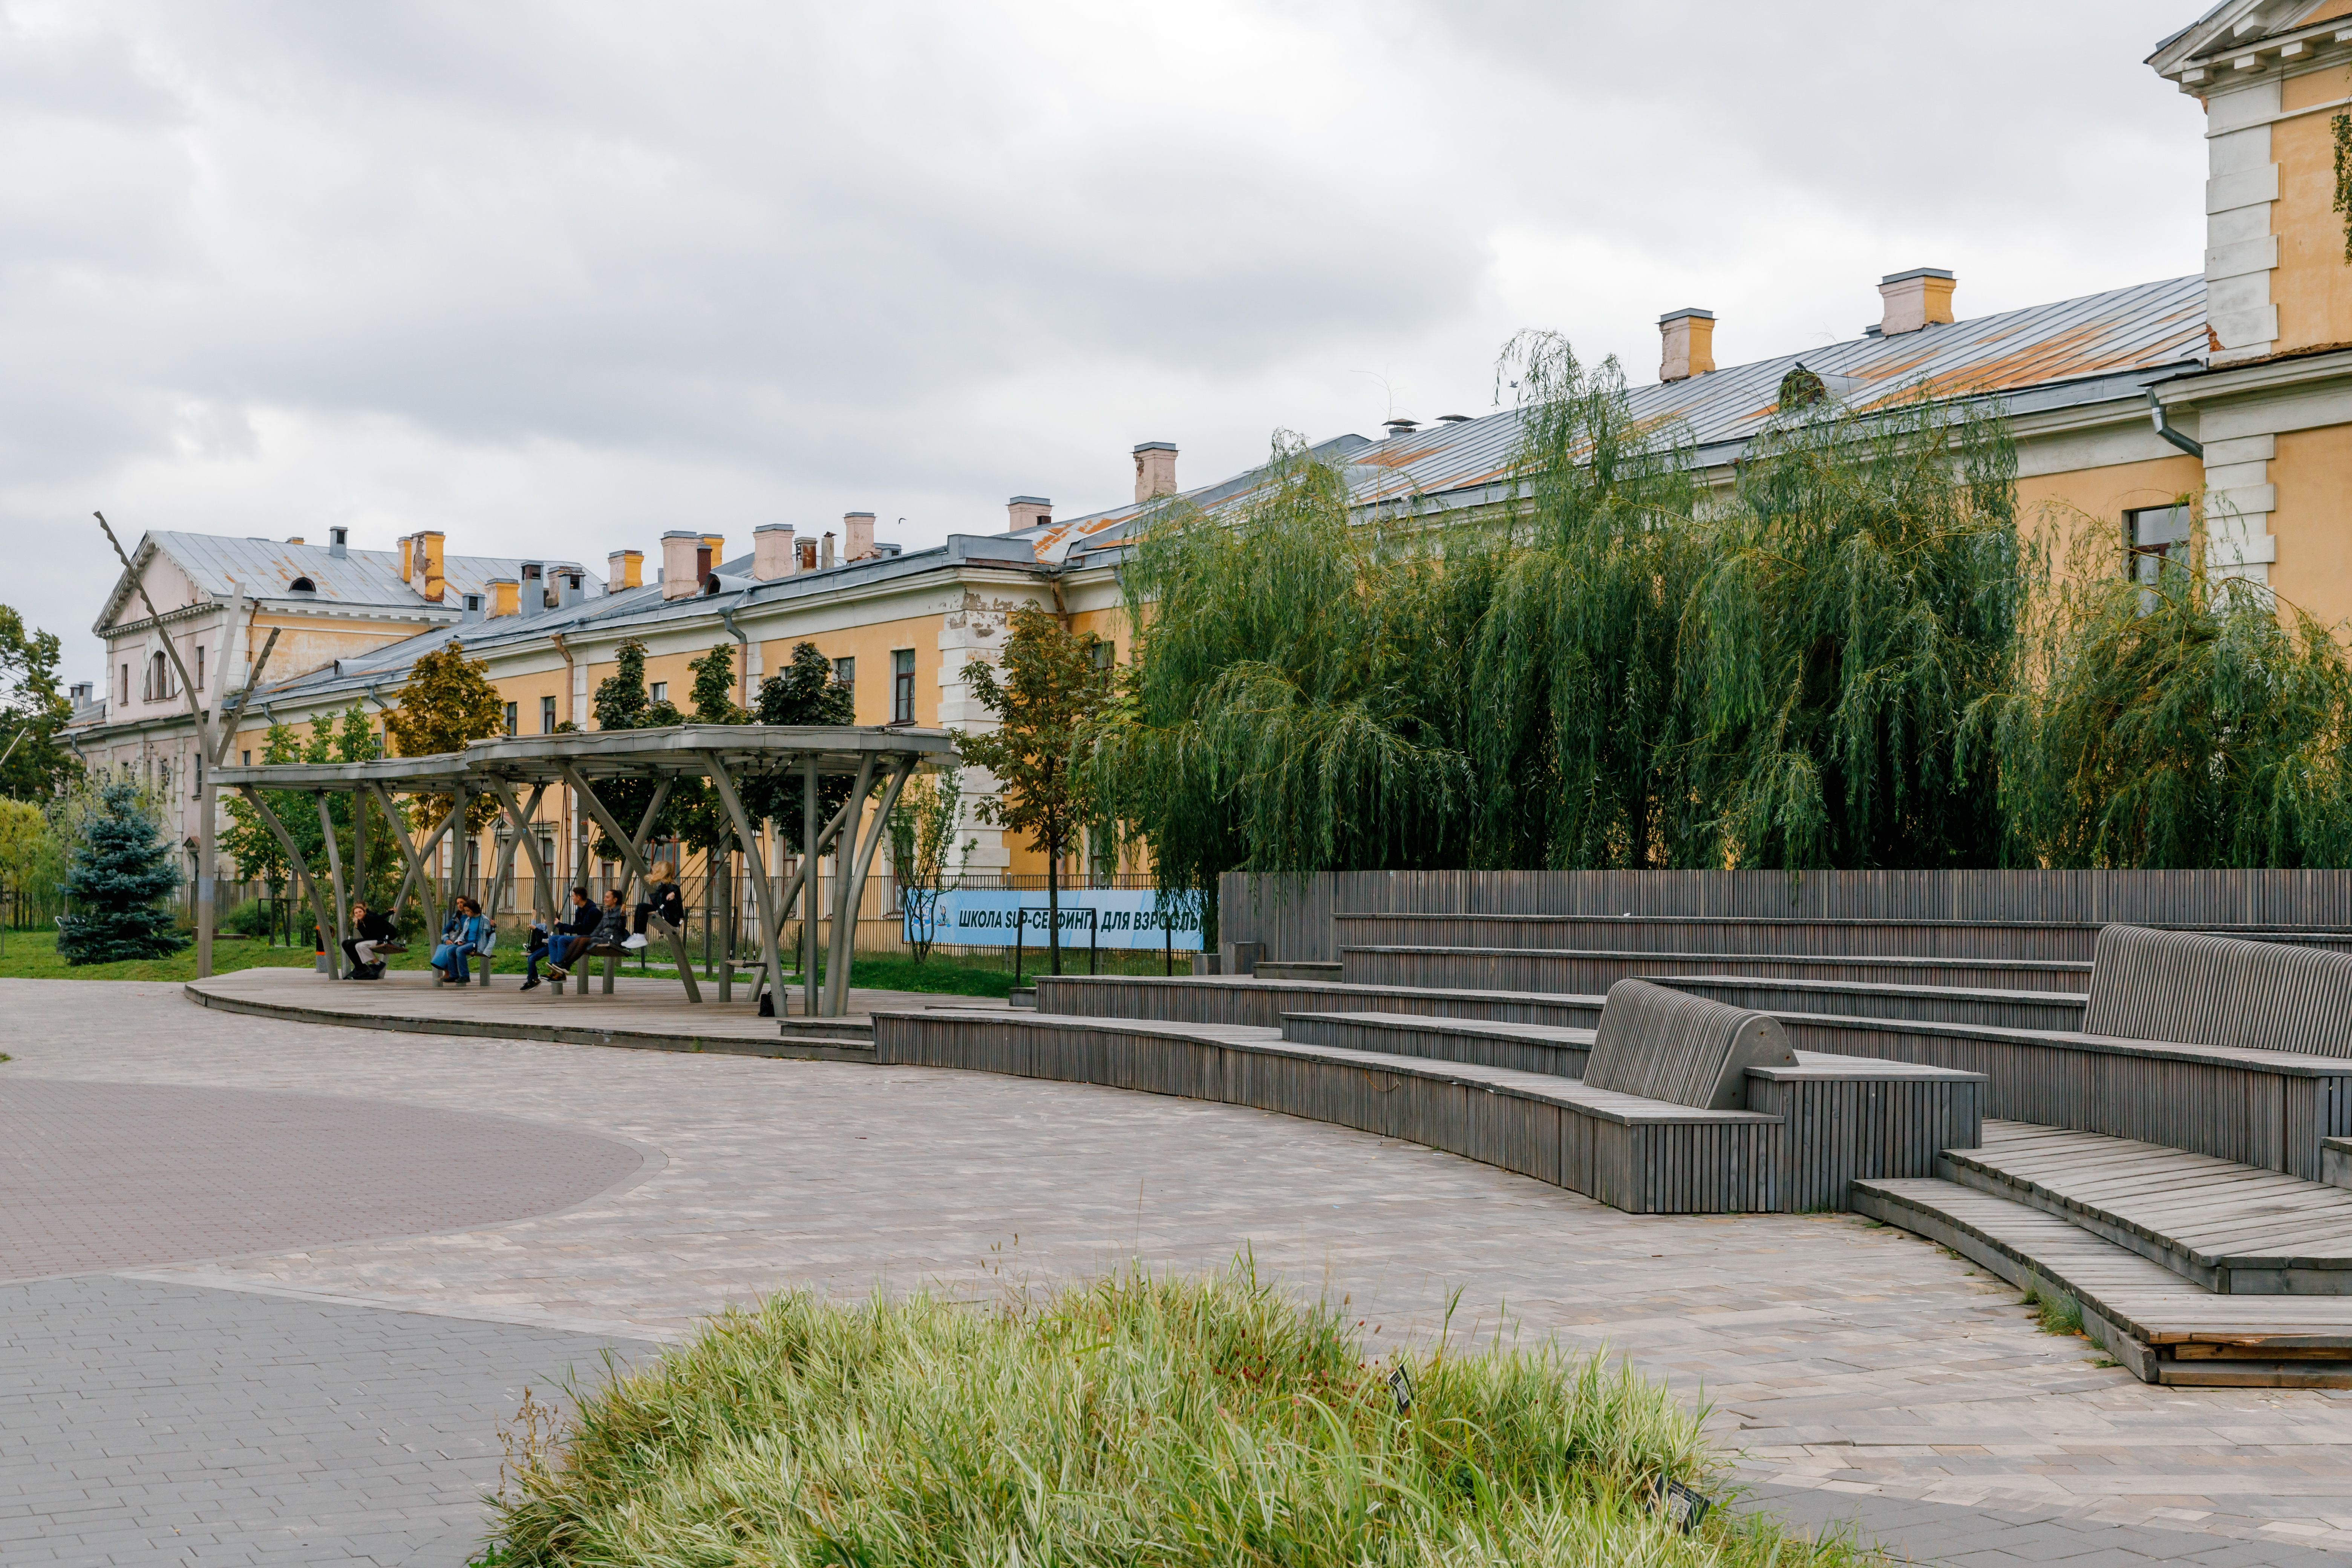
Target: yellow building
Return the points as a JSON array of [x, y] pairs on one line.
[[2230, 386]]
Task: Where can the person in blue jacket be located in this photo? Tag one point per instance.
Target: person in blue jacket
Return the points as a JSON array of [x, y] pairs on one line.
[[460, 937]]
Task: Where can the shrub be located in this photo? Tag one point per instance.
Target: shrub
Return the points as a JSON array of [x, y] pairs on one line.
[[1131, 1421]]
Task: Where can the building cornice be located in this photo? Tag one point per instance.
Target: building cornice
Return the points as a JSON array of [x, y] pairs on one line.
[[2282, 373]]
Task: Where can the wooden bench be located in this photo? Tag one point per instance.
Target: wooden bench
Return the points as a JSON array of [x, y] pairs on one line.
[[2214, 1045], [1733, 1120]]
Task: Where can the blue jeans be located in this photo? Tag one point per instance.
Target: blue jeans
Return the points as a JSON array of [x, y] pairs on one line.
[[451, 957], [564, 949]]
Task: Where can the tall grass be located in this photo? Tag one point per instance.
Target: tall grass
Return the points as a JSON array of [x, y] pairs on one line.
[[1136, 1420]]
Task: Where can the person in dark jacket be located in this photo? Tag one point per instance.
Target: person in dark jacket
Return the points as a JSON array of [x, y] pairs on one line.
[[662, 898], [611, 926], [570, 931], [370, 930], [461, 938]]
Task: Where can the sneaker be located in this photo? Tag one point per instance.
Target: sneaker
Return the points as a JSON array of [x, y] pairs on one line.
[[636, 940], [530, 984], [555, 972]]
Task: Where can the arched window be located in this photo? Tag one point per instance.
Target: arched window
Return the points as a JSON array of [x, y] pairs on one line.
[[301, 585]]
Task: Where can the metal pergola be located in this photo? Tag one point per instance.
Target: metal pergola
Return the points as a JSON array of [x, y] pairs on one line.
[[879, 760]]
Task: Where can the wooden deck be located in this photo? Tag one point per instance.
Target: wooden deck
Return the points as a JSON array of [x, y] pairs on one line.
[[2161, 1326], [640, 1015], [2225, 1226]]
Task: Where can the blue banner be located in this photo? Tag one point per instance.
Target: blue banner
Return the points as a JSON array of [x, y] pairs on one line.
[[1091, 917]]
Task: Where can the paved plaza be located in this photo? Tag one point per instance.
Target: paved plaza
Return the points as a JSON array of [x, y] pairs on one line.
[[274, 1285]]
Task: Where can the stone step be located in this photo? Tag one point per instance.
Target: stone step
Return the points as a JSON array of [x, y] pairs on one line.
[[1529, 1048], [2231, 1228], [2159, 1326]]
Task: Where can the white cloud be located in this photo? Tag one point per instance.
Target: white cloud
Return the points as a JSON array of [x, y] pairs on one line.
[[553, 278]]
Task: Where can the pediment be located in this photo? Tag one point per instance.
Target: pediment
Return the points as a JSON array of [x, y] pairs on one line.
[[2235, 24]]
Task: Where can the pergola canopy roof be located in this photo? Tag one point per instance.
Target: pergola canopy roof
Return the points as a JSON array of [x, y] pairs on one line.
[[678, 752]]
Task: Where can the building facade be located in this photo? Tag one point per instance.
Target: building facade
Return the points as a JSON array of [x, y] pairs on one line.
[[2226, 390]]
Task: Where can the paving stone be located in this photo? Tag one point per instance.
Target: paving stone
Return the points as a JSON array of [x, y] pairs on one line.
[[1836, 1354]]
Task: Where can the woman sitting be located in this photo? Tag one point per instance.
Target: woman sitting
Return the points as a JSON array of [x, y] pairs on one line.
[[370, 930], [461, 938], [662, 898]]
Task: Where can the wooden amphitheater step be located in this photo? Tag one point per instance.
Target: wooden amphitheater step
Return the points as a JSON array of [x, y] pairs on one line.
[[2162, 1327], [1529, 1048], [1928, 1003], [1262, 1004], [2232, 1228], [1597, 968]]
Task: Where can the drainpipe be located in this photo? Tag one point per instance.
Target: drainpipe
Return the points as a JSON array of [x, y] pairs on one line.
[[2158, 413], [570, 801], [727, 619]]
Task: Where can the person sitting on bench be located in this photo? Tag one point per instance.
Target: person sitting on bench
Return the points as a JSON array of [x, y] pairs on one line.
[[461, 937], [662, 898], [370, 930], [611, 927], [571, 932]]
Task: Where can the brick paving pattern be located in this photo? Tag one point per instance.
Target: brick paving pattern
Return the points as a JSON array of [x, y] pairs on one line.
[[117, 1175], [147, 1423], [1856, 1366]]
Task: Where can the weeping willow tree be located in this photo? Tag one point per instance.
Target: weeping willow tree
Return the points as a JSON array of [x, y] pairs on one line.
[[1580, 743], [2181, 722], [1298, 701], [1863, 590]]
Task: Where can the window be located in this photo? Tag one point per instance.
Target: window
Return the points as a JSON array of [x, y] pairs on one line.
[[2153, 537], [126, 686], [200, 667], [845, 670], [514, 719], [248, 758], [547, 715], [1102, 652], [661, 691], [902, 686]]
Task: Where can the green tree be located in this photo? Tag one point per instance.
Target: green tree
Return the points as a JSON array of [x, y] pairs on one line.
[[247, 839], [622, 702], [449, 701], [804, 693], [33, 713], [23, 840], [925, 854], [1051, 687], [122, 873], [2187, 722]]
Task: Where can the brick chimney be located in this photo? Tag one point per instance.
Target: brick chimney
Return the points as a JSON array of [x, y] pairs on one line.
[[1919, 297], [708, 558], [624, 570], [825, 550], [806, 550], [1155, 469], [857, 535], [772, 556], [1686, 343], [407, 548], [679, 579], [506, 597], [1027, 512], [428, 565]]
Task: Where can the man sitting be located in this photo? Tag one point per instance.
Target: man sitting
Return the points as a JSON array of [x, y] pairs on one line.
[[610, 927], [370, 930], [461, 938], [569, 935]]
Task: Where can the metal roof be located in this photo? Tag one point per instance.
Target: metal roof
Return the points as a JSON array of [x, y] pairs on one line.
[[2151, 328], [267, 568]]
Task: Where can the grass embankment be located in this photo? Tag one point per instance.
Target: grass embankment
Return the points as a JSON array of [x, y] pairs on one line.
[[33, 955], [1133, 1421]]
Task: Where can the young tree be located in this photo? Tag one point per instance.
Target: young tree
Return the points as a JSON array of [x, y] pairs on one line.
[[32, 712], [449, 701], [247, 839], [122, 871], [1051, 686], [24, 836], [924, 853]]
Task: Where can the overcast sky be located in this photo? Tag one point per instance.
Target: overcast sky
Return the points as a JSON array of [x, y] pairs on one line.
[[553, 278]]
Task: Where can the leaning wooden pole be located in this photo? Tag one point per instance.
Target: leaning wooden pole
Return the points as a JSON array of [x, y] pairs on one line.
[[298, 867], [635, 859], [854, 898], [844, 917], [808, 889], [770, 921]]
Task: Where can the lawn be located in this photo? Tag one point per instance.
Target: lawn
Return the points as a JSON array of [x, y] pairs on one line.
[[1131, 1421], [33, 955]]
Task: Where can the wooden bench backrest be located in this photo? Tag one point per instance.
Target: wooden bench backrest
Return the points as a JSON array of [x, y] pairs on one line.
[[2193, 989], [1681, 1048]]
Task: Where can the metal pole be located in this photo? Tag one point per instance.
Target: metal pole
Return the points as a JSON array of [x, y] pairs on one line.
[[809, 905], [1094, 941], [342, 905]]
